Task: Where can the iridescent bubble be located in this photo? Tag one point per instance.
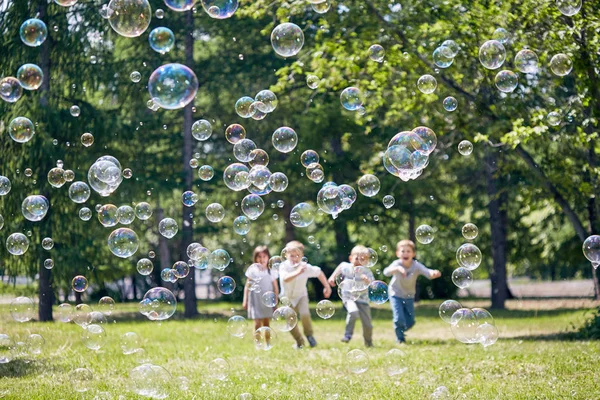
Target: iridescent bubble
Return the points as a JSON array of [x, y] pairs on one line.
[[395, 362], [450, 103], [218, 369], [378, 292], [568, 7], [253, 206], [172, 86], [561, 65], [181, 269], [442, 57], [30, 76], [123, 242], [234, 133], [237, 326], [447, 310], [452, 46], [126, 215], [93, 337], [389, 201], [501, 35], [48, 263], [79, 192], [322, 7], [17, 244], [135, 76], [464, 325], [201, 130], [591, 249], [106, 305], [79, 283], [179, 5], [487, 334], [553, 118], [130, 342], [235, 177], [81, 379], [332, 200], [424, 234], [241, 225], [82, 314], [427, 84], [5, 185], [108, 215], [313, 81], [144, 266], [85, 214], [492, 54], [284, 319], [506, 81], [526, 61], [351, 98], [34, 208], [21, 129], [215, 212], [287, 39], [309, 157], [468, 256], [35, 343], [47, 243], [105, 175], [278, 182], [87, 139], [189, 198], [325, 309], [357, 361], [10, 89], [226, 285], [243, 107], [22, 309], [149, 380], [162, 303], [462, 277], [129, 18], [269, 299], [219, 259], [268, 99], [161, 39], [65, 312], [242, 150], [470, 231], [264, 338], [143, 211], [369, 185], [465, 147], [376, 53], [33, 32], [302, 215], [285, 139], [220, 9], [75, 111], [168, 227], [206, 172]]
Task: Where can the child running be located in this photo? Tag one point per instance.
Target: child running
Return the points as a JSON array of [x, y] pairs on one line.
[[359, 307], [294, 274], [404, 272], [266, 280]]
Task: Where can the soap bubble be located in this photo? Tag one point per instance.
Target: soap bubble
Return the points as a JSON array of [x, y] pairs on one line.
[[452, 46], [85, 214], [237, 326], [93, 337], [253, 206], [181, 269], [486, 334], [553, 118], [47, 243], [79, 192], [35, 343], [325, 309], [243, 107], [285, 139], [4, 185], [149, 380], [465, 147], [126, 215], [269, 299], [464, 325], [450, 103], [34, 208], [33, 32], [426, 139], [218, 369], [424, 234], [526, 61], [10, 89], [65, 312], [506, 81], [179, 5], [226, 285], [568, 7], [369, 185], [81, 379], [22, 309], [378, 292], [201, 130], [591, 249], [161, 39], [442, 57], [241, 225], [357, 361], [268, 99], [82, 314], [501, 35], [470, 231], [30, 76], [234, 133], [79, 283], [492, 54], [215, 212], [123, 242], [351, 98], [17, 244], [162, 303], [135, 76], [48, 263], [321, 7], [7, 349], [469, 256], [105, 175], [189, 198], [427, 84], [278, 182], [561, 64], [264, 338], [206, 172], [168, 227], [144, 266], [395, 362], [143, 211], [220, 9], [313, 81], [376, 53], [389, 201], [173, 86], [21, 129], [309, 157], [287, 39], [130, 342], [129, 18], [302, 215], [284, 319], [441, 393], [242, 150], [219, 259], [87, 139], [447, 309], [75, 111], [462, 277], [235, 177], [108, 215]]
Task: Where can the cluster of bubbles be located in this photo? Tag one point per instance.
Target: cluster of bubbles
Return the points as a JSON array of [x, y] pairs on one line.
[[257, 108], [469, 325], [407, 154]]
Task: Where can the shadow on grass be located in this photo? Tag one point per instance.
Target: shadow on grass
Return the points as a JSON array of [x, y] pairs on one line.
[[20, 367]]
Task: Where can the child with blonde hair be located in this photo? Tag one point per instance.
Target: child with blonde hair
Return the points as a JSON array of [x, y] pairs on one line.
[[263, 279], [403, 286]]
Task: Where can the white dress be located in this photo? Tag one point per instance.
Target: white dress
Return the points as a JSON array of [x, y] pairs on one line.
[[261, 281]]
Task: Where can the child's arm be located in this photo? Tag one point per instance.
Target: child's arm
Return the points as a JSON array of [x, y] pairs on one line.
[[289, 277], [276, 288], [326, 287], [245, 301], [394, 268], [331, 279], [434, 274]]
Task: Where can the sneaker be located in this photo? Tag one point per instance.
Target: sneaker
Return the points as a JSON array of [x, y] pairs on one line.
[[369, 344], [346, 339], [311, 341], [298, 346]]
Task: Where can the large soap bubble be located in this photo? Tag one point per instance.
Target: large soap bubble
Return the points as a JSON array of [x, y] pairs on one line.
[[180, 5], [302, 215], [161, 39], [220, 9], [129, 18], [22, 309], [172, 86], [161, 303], [34, 208], [150, 380], [30, 76], [123, 242], [105, 175], [287, 39], [492, 54], [21, 129], [33, 32], [17, 244], [285, 139], [10, 89]]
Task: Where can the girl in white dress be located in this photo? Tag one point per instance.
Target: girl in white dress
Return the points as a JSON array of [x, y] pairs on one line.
[[260, 281]]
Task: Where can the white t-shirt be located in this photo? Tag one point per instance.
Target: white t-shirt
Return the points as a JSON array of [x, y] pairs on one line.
[[296, 288], [261, 277]]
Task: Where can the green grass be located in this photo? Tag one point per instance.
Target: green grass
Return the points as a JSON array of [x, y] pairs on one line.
[[532, 359]]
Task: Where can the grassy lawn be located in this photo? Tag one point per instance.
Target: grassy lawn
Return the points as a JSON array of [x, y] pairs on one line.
[[529, 361]]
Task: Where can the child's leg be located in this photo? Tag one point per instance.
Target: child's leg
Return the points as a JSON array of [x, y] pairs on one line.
[[409, 313], [398, 313], [365, 319], [351, 317], [296, 332], [303, 310], [266, 322], [257, 323]]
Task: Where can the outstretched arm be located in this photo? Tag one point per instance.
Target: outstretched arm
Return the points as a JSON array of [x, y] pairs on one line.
[[331, 279], [293, 275], [245, 301], [326, 287]]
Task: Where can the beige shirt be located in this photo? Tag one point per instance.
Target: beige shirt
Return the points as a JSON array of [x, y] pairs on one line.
[[296, 288]]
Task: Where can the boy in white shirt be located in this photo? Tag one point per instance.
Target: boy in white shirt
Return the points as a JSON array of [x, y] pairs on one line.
[[293, 275]]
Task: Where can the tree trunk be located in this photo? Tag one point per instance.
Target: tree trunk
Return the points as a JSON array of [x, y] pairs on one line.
[[189, 283], [290, 234], [78, 299], [498, 223], [164, 251], [592, 205]]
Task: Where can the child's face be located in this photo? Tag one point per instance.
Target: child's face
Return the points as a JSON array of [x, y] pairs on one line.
[[359, 259], [262, 259], [294, 256], [405, 253]]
